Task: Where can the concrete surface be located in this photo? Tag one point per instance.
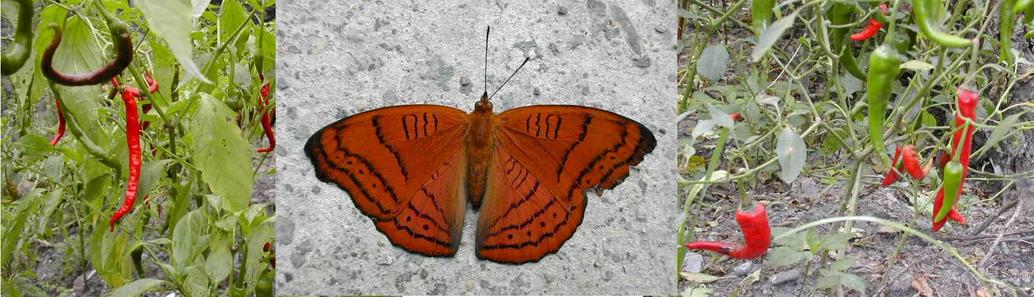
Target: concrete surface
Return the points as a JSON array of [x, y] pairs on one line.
[[338, 58]]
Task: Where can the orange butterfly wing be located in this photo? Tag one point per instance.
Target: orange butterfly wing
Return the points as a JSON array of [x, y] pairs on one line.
[[404, 167], [546, 157]]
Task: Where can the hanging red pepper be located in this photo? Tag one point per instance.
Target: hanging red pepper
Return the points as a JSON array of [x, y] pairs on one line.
[[757, 236], [135, 156], [267, 122], [911, 162], [152, 87], [60, 123], [962, 140], [892, 174], [870, 30]]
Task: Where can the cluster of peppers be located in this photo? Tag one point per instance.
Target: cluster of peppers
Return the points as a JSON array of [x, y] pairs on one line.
[[955, 165], [955, 170], [884, 68], [123, 45], [268, 116]]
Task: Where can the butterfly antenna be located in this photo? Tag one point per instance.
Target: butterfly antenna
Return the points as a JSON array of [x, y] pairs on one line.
[[508, 78], [487, 30]]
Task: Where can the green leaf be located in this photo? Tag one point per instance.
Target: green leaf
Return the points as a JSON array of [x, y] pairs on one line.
[[33, 147], [719, 117], [836, 241], [138, 287], [196, 283], [222, 154], [701, 278], [54, 200], [252, 262], [79, 51], [151, 173], [231, 16], [15, 229], [828, 281], [185, 238], [697, 292], [54, 166], [853, 282], [792, 154], [1003, 129], [173, 20], [772, 34], [844, 263], [713, 62], [785, 256], [219, 260]]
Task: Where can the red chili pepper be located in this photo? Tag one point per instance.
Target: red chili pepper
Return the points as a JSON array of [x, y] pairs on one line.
[[267, 124], [892, 174], [968, 100], [60, 123], [954, 215], [152, 85], [757, 236], [135, 156], [870, 30], [911, 162]]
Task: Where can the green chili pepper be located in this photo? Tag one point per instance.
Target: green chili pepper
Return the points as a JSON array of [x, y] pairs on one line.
[[925, 11], [1022, 5], [18, 50], [840, 14], [952, 184], [761, 14], [884, 66], [1006, 17], [1027, 8]]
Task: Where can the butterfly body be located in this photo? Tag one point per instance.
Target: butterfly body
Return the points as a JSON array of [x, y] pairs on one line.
[[412, 169], [480, 146]]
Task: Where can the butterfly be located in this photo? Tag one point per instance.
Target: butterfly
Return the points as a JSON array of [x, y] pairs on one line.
[[413, 168]]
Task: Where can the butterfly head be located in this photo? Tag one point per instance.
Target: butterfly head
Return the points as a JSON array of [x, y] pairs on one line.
[[483, 105]]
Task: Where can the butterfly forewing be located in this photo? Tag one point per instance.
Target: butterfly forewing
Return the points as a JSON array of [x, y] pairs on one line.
[[547, 156], [402, 166]]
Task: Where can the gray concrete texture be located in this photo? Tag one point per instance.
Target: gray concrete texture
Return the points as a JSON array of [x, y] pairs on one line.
[[339, 58]]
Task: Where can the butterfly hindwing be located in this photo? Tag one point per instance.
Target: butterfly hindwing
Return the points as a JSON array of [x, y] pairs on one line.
[[403, 167], [546, 158], [522, 220]]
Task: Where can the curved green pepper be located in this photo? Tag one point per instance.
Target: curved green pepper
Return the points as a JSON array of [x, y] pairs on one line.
[[264, 286], [953, 172], [1027, 8], [840, 14], [884, 67], [18, 50], [925, 11], [1005, 27], [761, 14]]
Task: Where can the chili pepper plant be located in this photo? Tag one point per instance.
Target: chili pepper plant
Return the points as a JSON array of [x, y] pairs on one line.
[[130, 131], [842, 108]]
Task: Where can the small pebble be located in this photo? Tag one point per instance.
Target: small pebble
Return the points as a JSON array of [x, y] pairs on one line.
[[743, 269], [784, 276]]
